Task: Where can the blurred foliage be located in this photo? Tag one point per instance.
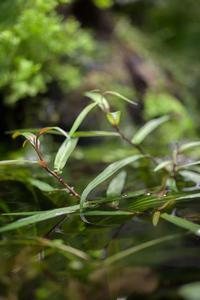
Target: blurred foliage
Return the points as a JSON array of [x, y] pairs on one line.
[[38, 46], [116, 45]]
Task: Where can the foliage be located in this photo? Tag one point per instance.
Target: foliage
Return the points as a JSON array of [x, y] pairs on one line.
[[172, 168], [41, 228], [135, 184], [38, 46]]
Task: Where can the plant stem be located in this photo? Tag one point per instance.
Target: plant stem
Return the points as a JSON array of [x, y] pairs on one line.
[[44, 165], [138, 147]]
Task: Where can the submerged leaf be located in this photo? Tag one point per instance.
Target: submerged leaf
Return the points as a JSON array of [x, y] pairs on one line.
[[150, 126], [152, 201], [105, 174], [59, 245], [40, 216], [183, 223], [130, 251], [116, 186], [156, 218], [64, 153]]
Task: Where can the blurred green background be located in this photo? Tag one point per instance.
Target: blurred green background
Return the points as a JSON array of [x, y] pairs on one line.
[[52, 51]]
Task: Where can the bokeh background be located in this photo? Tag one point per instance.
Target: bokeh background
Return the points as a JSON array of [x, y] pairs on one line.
[[51, 52]]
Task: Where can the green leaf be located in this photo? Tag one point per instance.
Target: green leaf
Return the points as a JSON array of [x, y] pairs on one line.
[[15, 162], [64, 153], [187, 146], [150, 126], [190, 291], [191, 176], [59, 245], [41, 216], [116, 186], [183, 223], [163, 165], [130, 251], [95, 133], [49, 130], [99, 99], [194, 163], [103, 4], [120, 96], [171, 183], [105, 174], [43, 186], [78, 133], [156, 218], [81, 117], [107, 213], [152, 201], [87, 213], [28, 136], [114, 117]]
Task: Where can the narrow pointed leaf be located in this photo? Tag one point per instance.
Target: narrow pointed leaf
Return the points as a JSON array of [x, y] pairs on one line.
[[120, 96], [81, 117], [79, 133], [17, 162], [105, 174], [64, 153], [95, 133], [183, 223], [41, 185], [163, 165], [188, 146], [190, 175], [116, 186], [49, 214], [194, 163], [54, 128], [30, 131], [41, 216], [149, 127], [99, 99], [27, 135], [59, 245], [130, 251]]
